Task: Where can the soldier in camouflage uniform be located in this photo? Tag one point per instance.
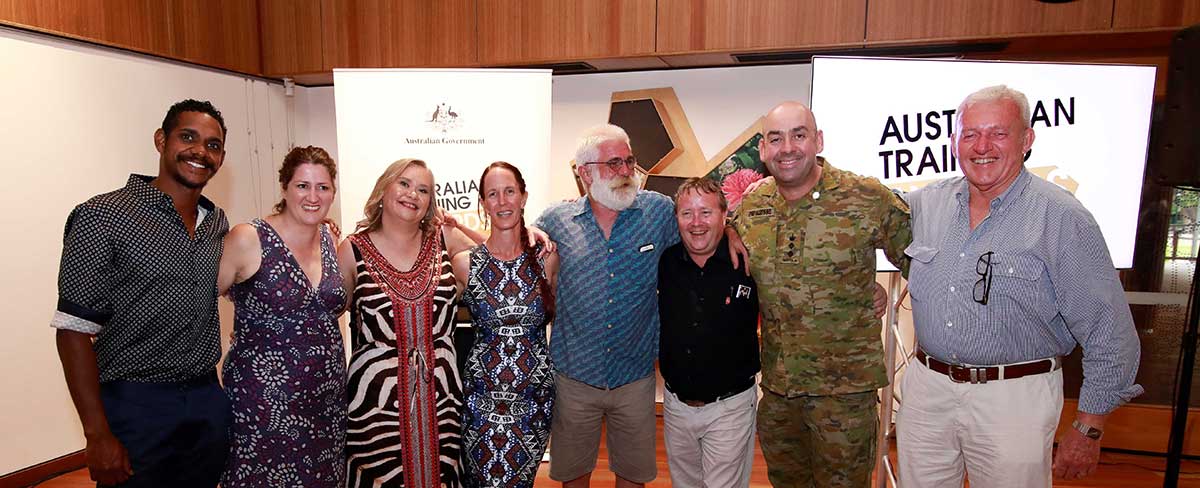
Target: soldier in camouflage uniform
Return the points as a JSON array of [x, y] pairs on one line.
[[812, 235]]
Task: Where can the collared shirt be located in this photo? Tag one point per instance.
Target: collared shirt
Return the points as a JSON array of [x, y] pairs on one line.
[[814, 262], [1053, 284], [132, 276], [709, 341], [605, 330]]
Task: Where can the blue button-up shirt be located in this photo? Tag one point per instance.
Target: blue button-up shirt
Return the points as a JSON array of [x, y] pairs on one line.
[[605, 331], [1053, 285]]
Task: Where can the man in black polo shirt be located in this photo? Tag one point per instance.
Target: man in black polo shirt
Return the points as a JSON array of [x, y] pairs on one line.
[[708, 348], [138, 330]]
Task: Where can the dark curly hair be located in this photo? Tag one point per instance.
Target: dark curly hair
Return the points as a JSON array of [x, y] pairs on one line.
[[172, 119]]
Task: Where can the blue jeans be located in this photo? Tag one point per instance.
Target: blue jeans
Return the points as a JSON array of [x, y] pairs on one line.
[[176, 434]]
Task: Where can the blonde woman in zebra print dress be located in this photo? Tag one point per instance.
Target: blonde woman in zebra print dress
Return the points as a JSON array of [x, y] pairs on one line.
[[405, 395]]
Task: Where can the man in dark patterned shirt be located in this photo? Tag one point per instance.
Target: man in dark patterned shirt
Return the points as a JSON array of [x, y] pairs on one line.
[[138, 329]]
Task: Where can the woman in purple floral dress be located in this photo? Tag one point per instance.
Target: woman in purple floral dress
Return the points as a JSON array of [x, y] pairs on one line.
[[286, 369]]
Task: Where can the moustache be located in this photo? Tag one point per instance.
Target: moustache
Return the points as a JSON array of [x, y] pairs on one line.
[[621, 181], [784, 156], [203, 161]]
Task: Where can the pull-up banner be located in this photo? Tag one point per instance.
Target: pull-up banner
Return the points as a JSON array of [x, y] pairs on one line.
[[893, 119], [456, 120]]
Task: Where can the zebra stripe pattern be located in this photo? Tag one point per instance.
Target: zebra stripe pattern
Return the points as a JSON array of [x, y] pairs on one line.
[[376, 448]]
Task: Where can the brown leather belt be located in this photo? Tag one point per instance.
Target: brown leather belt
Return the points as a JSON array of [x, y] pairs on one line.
[[983, 374]]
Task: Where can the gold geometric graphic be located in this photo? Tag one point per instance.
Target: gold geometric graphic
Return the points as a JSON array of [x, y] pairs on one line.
[[662, 138]]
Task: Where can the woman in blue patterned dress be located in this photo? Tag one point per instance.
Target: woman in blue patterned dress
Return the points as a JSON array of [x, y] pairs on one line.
[[509, 380], [286, 372]]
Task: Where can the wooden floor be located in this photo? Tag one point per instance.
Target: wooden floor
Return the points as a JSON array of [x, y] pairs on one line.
[[1117, 470]]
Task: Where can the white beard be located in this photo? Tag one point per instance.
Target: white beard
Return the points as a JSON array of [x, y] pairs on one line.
[[612, 198]]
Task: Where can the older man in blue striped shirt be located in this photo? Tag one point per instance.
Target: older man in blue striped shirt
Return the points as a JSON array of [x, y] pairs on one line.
[[1008, 274]]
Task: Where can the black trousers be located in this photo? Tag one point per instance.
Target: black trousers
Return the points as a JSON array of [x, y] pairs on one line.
[[177, 434]]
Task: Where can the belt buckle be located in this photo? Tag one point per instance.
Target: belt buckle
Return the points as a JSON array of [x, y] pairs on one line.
[[977, 375]]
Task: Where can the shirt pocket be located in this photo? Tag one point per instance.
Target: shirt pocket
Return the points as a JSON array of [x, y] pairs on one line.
[[639, 260], [1017, 280], [830, 243], [920, 271]]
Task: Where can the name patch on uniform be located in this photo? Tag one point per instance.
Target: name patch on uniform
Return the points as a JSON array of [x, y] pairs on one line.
[[743, 291], [646, 248], [762, 212]]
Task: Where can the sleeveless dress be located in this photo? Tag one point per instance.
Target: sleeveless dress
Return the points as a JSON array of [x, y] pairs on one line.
[[286, 372], [509, 378], [405, 399]]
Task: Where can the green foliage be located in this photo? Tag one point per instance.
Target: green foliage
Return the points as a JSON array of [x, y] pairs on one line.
[[745, 157], [1183, 208]]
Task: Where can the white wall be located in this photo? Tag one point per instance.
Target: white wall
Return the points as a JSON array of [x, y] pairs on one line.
[[315, 126], [76, 121]]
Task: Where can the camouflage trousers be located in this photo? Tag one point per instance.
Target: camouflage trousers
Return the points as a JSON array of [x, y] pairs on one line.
[[818, 441]]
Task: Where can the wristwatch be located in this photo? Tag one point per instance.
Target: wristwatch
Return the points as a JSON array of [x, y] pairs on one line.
[[1087, 430]]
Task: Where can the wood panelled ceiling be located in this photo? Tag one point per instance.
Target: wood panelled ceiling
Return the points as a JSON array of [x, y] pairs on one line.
[[402, 33], [217, 32], [531, 31], [306, 39], [119, 23], [687, 26], [1140, 14], [894, 20], [293, 35]]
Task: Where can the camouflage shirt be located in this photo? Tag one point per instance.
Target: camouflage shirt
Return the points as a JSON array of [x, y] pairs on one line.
[[814, 262]]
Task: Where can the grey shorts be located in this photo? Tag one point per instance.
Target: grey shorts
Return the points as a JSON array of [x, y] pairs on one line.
[[628, 411]]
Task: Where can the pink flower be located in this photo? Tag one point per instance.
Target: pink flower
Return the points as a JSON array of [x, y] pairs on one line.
[[735, 184]]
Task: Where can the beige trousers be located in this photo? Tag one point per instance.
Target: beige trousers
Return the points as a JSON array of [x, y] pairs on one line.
[[710, 446], [997, 434]]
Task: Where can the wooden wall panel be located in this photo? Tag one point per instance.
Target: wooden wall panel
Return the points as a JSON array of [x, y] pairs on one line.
[[896, 20], [292, 37], [1137, 14], [402, 33], [1149, 48], [531, 31], [133, 24], [329, 38], [705, 25], [222, 33], [1138, 427], [1143, 57]]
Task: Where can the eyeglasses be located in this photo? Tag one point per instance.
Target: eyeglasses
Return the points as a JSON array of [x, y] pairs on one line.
[[615, 164], [983, 268]]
